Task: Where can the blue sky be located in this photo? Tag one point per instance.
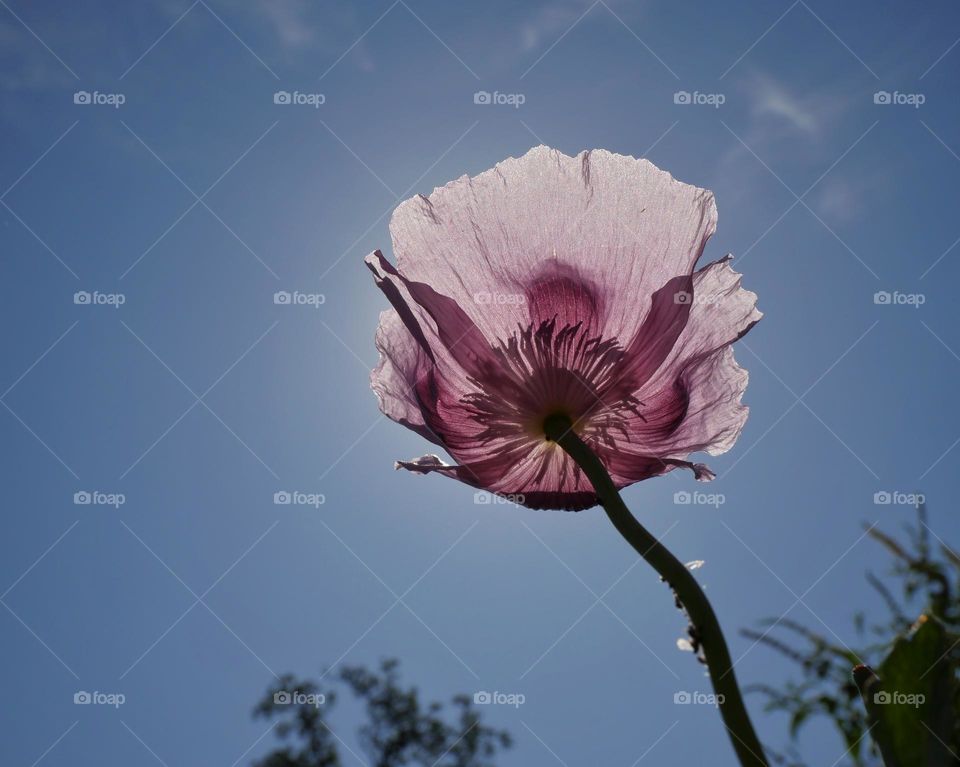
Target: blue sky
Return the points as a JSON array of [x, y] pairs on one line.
[[198, 398]]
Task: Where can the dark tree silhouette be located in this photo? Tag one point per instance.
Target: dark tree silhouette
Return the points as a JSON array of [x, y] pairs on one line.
[[926, 582], [400, 730]]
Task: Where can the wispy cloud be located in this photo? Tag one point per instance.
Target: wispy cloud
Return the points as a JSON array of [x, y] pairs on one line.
[[796, 130], [301, 26], [286, 29], [288, 20], [549, 21], [776, 115], [846, 195], [771, 99]]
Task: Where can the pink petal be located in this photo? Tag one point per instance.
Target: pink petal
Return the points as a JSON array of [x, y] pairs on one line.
[[613, 220], [402, 363], [574, 498], [693, 403]]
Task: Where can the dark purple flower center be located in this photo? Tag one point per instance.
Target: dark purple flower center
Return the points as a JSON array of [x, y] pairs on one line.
[[548, 371]]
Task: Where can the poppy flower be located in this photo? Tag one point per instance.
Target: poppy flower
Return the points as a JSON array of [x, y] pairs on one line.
[[555, 285]]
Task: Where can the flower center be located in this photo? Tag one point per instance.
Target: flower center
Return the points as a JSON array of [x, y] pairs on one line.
[[556, 425], [547, 374]]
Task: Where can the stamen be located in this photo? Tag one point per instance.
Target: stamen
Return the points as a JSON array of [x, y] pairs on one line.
[[545, 372]]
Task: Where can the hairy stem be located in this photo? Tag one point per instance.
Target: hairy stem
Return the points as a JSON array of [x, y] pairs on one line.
[[559, 429]]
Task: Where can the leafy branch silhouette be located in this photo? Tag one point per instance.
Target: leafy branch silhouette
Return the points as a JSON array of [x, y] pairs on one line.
[[926, 591], [399, 729]]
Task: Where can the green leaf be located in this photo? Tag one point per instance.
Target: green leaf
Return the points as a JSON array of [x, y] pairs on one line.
[[910, 705]]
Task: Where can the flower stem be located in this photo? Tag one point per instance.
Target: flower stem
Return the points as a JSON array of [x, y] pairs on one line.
[[559, 429]]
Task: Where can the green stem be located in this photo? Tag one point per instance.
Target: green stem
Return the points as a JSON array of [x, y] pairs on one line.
[[559, 429]]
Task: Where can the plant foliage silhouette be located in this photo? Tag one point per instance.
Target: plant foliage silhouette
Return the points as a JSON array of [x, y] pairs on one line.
[[399, 728]]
